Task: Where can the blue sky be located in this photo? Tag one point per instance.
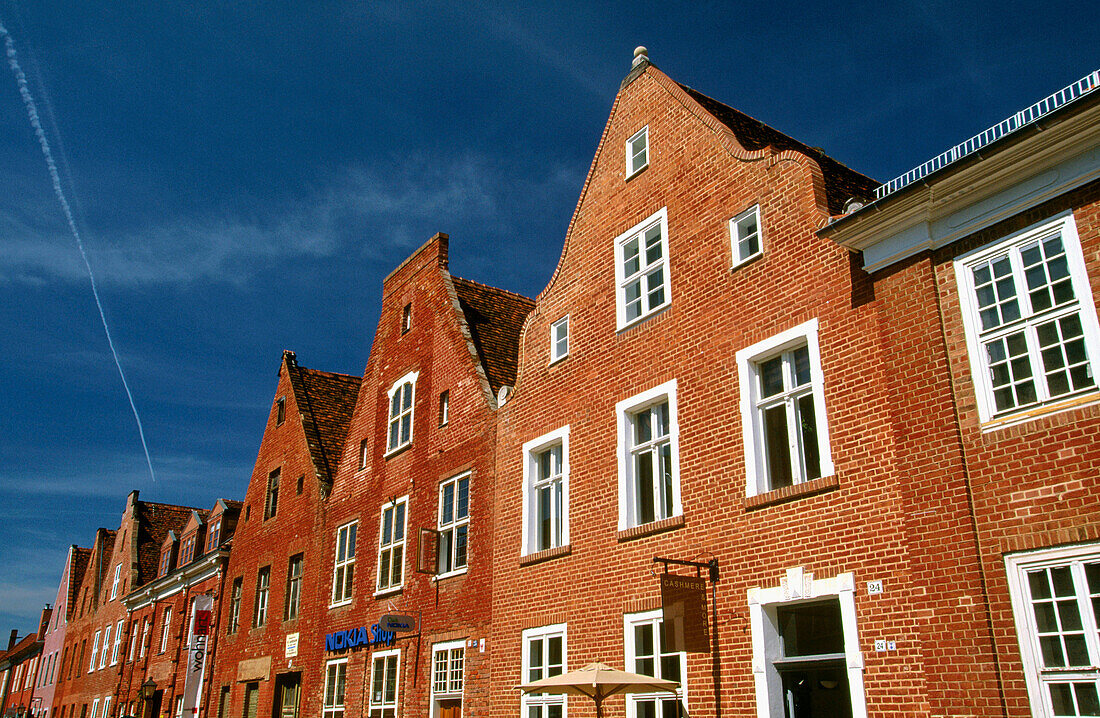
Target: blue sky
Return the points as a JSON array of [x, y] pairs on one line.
[[244, 174]]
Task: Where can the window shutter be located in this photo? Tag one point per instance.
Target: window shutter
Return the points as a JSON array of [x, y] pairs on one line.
[[427, 550]]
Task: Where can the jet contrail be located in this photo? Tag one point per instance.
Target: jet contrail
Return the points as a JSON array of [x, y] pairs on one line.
[[51, 166]]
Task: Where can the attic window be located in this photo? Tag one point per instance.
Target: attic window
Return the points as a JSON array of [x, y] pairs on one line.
[[637, 152], [745, 235], [444, 407], [406, 318], [280, 410], [272, 503]]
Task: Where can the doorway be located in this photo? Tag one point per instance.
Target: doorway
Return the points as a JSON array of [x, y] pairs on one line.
[[288, 688]]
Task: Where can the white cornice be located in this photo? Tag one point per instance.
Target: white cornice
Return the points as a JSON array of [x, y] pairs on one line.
[[195, 572], [1047, 160]]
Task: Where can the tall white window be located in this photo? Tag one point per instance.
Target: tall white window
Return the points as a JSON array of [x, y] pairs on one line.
[[336, 675], [95, 652], [263, 585], [1055, 599], [805, 646], [383, 683], [114, 582], [343, 572], [165, 629], [783, 411], [401, 412], [95, 709], [648, 645], [454, 523], [543, 657], [637, 152], [106, 647], [133, 644], [559, 339], [107, 707], [1030, 321], [546, 496], [641, 269], [745, 235], [448, 667], [145, 628], [391, 545], [118, 643], [649, 462]]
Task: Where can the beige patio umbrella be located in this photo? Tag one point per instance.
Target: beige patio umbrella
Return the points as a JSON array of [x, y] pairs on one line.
[[598, 681]]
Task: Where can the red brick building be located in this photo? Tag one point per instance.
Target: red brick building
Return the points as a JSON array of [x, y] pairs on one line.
[[275, 585], [53, 642], [20, 667], [410, 523], [985, 275]]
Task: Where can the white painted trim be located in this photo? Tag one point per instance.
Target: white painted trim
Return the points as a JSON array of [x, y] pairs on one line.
[[370, 679], [555, 358], [411, 377], [629, 656], [751, 431], [734, 251], [530, 448], [628, 173], [404, 546], [529, 634], [622, 411], [659, 217]]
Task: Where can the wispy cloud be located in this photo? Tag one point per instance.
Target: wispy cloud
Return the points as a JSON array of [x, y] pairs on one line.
[[383, 205]]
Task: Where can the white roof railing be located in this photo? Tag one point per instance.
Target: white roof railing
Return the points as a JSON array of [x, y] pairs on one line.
[[1024, 117]]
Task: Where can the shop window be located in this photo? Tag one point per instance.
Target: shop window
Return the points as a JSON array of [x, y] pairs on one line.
[[448, 666], [263, 585], [401, 412], [648, 644], [293, 593], [454, 524], [806, 653], [637, 152], [543, 657], [546, 495], [1030, 321], [383, 684], [336, 676], [1055, 599], [641, 269], [343, 571], [783, 411], [391, 546], [649, 464], [559, 339], [745, 236]]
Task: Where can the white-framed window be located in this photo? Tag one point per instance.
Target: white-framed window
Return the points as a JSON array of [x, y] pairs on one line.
[[95, 709], [263, 585], [745, 236], [805, 646], [783, 410], [454, 523], [343, 570], [641, 269], [1031, 327], [107, 707], [106, 646], [1055, 599], [234, 621], [292, 597], [544, 655], [165, 629], [448, 671], [133, 644], [546, 491], [384, 675], [391, 545], [649, 459], [95, 652], [401, 395], [336, 678], [444, 407], [114, 582], [637, 152], [118, 642], [406, 318], [559, 339], [146, 626], [363, 457], [648, 644]]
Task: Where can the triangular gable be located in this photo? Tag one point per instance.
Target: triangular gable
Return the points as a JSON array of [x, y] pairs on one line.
[[325, 401]]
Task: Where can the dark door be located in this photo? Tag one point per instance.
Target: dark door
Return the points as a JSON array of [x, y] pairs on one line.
[[152, 706], [287, 689], [450, 708], [251, 700]]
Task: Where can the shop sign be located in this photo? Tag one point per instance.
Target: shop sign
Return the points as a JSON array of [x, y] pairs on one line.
[[196, 652], [397, 623], [684, 608], [291, 649], [362, 636]]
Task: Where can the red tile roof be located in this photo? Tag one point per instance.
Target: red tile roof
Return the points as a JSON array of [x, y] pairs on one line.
[[495, 318], [841, 182], [325, 402], [155, 521]]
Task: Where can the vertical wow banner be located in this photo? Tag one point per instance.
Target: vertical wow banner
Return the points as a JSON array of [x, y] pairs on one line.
[[201, 616]]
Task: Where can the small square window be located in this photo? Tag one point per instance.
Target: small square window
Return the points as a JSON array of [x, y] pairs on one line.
[[637, 152], [745, 236], [444, 407], [559, 339], [280, 410], [406, 318]]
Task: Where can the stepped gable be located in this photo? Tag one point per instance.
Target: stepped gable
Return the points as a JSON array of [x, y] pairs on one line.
[[155, 521], [841, 182], [80, 558], [326, 401], [495, 318]]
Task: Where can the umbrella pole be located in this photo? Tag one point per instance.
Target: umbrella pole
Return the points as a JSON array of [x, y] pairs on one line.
[[599, 707]]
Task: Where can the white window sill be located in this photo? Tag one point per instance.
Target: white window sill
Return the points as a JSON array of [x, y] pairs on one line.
[[747, 260], [450, 574], [388, 591], [338, 604], [1037, 412], [558, 360], [648, 315], [396, 450], [636, 172]]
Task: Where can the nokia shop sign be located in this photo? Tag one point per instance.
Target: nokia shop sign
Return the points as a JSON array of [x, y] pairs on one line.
[[355, 637]]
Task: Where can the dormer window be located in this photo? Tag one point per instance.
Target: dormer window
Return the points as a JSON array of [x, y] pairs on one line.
[[401, 412], [213, 535], [187, 552], [637, 152], [165, 560], [280, 410]]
